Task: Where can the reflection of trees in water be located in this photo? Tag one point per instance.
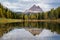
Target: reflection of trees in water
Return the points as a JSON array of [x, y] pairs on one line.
[[53, 27], [4, 28]]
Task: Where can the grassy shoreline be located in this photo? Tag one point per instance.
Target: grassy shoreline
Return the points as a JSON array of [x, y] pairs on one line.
[[19, 20]]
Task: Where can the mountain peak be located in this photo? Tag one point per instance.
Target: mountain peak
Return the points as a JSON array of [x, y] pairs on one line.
[[34, 9], [34, 5]]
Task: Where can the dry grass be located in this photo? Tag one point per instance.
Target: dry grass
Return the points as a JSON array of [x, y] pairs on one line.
[[19, 20]]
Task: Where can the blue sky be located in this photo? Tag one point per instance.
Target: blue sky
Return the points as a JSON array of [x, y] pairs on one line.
[[22, 5]]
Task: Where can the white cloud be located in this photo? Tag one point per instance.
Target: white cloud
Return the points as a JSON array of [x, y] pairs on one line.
[[11, 5], [25, 0], [45, 7], [21, 5]]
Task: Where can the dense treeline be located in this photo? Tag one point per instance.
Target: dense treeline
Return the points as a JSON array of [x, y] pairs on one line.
[[6, 13]]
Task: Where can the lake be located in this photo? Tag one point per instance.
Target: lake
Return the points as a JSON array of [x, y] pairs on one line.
[[17, 31]]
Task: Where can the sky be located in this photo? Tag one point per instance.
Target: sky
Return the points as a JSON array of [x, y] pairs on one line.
[[22, 5]]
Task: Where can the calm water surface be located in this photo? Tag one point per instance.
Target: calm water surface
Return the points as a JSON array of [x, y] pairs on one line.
[[16, 31], [22, 34]]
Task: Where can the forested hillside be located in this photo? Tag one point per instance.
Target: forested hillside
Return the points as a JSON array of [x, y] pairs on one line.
[[6, 13]]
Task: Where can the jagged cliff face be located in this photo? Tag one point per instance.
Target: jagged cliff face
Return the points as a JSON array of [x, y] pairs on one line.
[[34, 9]]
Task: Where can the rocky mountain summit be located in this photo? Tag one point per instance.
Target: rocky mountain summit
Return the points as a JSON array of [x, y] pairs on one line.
[[34, 9]]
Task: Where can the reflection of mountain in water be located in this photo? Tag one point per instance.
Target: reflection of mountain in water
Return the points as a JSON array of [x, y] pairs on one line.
[[22, 34], [34, 9]]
